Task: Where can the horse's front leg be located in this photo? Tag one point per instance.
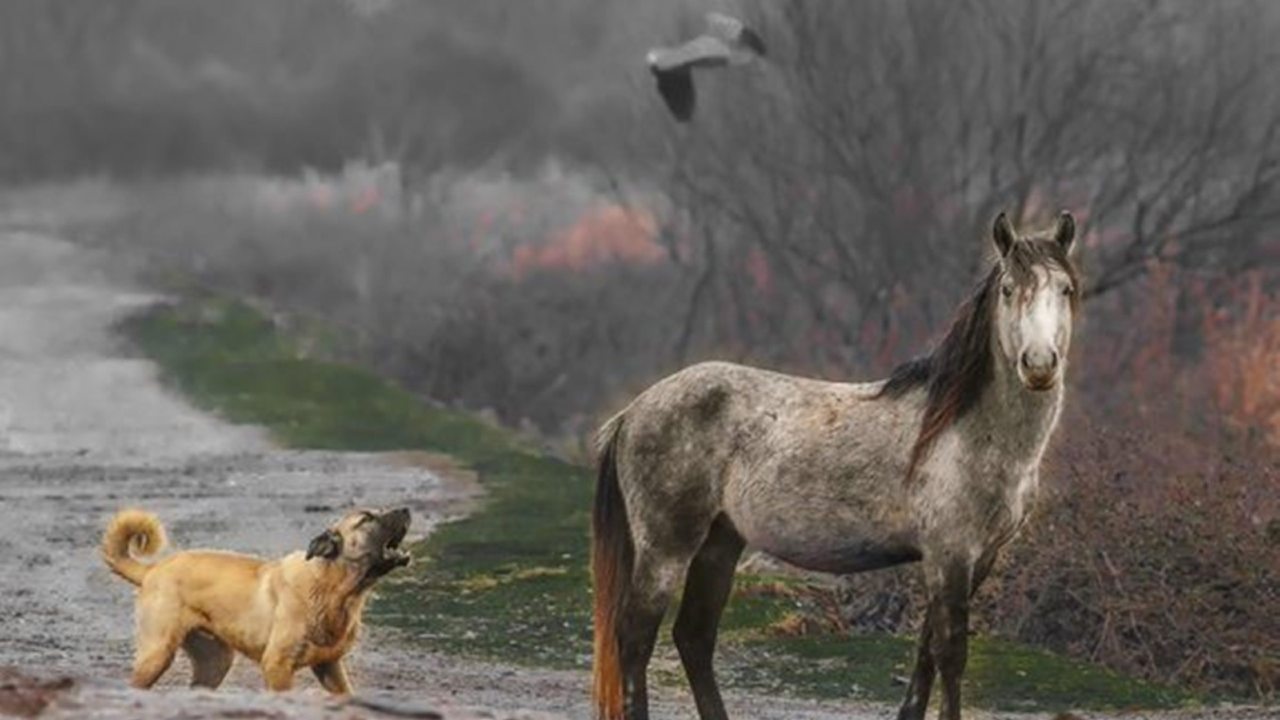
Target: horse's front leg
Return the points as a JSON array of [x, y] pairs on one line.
[[913, 708], [949, 608]]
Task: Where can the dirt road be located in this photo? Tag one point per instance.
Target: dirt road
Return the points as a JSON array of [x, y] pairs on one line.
[[86, 429]]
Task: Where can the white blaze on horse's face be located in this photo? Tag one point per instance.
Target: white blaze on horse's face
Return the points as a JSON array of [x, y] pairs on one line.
[[1034, 313], [1035, 326]]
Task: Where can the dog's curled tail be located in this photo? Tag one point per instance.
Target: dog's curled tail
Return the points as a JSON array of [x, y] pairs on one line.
[[612, 557], [132, 532]]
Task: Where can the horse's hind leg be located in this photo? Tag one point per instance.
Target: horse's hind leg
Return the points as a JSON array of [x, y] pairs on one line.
[[706, 591], [637, 629]]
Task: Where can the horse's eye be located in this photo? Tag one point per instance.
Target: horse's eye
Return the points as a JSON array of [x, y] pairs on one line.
[[1006, 291], [1068, 290]]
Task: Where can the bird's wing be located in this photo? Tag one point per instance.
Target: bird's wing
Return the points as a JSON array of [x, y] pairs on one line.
[[735, 33], [724, 27], [677, 91], [702, 51]]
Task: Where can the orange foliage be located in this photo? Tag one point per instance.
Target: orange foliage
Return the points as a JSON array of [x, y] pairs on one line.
[[1153, 355], [1233, 380], [365, 201], [603, 235], [1243, 362]]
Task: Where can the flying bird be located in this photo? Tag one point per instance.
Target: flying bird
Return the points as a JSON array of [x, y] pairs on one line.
[[727, 41]]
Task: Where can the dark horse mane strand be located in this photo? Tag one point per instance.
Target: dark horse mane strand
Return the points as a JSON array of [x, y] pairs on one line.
[[962, 365]]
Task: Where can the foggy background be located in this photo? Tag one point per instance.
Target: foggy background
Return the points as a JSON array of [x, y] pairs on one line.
[[487, 201]]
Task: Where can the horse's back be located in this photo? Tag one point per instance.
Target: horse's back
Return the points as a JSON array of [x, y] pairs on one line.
[[707, 386], [720, 407], [783, 457]]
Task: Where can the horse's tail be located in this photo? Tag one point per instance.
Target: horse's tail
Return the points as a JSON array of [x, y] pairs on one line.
[[612, 557], [132, 532]]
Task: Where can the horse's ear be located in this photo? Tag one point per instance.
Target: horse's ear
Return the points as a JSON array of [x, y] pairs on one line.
[[1003, 234], [327, 545], [1065, 234]]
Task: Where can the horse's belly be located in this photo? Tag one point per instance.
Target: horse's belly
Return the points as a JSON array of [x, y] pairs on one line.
[[831, 505], [849, 555], [828, 540]]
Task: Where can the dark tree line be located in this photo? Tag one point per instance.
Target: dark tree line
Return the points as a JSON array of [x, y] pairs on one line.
[[149, 87]]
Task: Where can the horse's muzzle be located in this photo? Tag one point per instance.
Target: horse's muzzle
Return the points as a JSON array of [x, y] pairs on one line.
[[1039, 369]]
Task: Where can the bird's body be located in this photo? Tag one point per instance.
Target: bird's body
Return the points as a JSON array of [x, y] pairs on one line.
[[726, 42]]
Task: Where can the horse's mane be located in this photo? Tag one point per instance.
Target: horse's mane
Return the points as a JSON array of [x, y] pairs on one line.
[[963, 364]]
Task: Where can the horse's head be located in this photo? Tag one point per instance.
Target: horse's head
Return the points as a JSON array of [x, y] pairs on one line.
[[1038, 292]]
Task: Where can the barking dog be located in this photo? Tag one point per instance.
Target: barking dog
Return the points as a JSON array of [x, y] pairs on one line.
[[302, 610]]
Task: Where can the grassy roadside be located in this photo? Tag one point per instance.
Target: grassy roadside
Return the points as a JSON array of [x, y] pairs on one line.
[[510, 581]]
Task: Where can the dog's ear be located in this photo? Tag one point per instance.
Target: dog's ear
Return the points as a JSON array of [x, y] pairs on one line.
[[327, 545]]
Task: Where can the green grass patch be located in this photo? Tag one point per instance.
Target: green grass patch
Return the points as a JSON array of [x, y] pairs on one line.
[[1001, 675], [510, 581]]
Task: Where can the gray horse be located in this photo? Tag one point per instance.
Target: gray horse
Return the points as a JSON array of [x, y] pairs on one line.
[[938, 464]]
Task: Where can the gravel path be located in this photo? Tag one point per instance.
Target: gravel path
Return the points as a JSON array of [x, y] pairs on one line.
[[86, 428]]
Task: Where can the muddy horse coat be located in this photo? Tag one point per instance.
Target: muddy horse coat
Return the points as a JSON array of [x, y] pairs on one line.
[[937, 464]]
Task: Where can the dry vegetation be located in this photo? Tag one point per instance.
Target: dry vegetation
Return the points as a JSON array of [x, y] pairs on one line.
[[1150, 554]]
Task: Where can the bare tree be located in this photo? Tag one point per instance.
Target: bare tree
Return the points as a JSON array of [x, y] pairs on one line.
[[881, 134]]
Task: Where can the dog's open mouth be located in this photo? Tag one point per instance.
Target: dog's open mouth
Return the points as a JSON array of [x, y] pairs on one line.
[[392, 554]]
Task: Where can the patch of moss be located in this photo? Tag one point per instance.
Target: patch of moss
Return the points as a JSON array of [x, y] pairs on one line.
[[510, 581], [1000, 675], [1008, 676]]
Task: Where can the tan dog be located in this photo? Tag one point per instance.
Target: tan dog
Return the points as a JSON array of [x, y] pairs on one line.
[[302, 610]]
